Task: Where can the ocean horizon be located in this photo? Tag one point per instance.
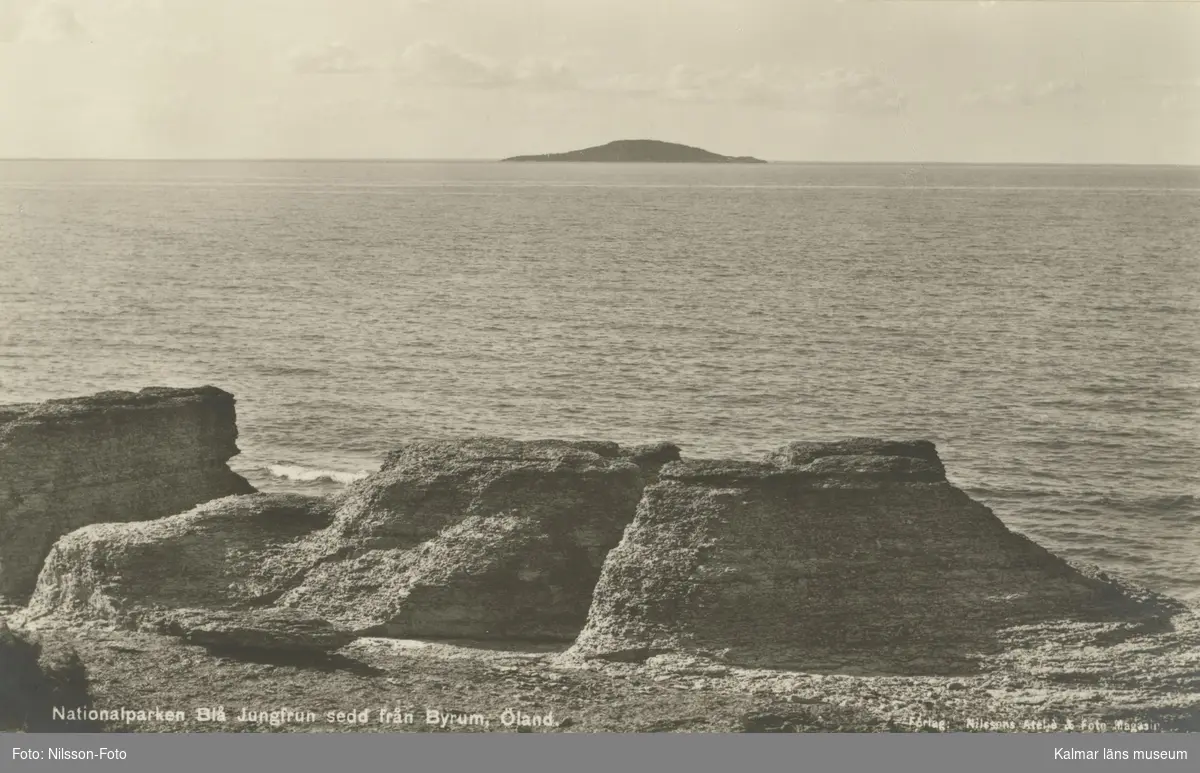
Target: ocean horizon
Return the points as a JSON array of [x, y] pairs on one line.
[[494, 159]]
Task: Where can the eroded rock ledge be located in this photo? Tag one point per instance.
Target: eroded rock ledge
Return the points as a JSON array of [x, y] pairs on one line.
[[479, 538], [826, 550], [113, 456], [829, 586]]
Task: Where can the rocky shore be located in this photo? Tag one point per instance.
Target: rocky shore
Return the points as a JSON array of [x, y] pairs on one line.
[[563, 585]]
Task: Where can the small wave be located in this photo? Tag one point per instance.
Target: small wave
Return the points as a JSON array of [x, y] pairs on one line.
[[1173, 507], [1107, 555], [300, 474], [289, 370], [1008, 493]]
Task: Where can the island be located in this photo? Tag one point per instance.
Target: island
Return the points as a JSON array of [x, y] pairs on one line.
[[642, 151]]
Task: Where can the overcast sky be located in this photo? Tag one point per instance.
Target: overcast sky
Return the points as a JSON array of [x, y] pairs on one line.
[[826, 80]]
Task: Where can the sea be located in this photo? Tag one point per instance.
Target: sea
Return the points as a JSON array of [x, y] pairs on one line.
[[1040, 324]]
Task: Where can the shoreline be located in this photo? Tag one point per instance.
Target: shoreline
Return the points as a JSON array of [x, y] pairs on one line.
[[843, 586]]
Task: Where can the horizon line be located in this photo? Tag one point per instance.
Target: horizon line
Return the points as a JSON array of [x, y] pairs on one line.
[[417, 160]]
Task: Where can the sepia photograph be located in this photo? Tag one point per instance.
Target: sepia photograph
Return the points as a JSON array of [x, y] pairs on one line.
[[600, 367]]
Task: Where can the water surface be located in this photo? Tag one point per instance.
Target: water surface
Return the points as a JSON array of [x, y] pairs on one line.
[[1040, 324]]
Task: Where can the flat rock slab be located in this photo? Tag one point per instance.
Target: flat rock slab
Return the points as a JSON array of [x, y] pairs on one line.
[[1149, 678], [649, 457], [282, 630], [818, 471], [803, 452]]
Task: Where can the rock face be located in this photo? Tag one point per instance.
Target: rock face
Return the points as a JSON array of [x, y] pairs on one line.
[[857, 546], [642, 151], [114, 456], [235, 553], [478, 538], [35, 677], [481, 538]]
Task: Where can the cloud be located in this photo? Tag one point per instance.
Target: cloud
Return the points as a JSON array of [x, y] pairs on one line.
[[439, 63], [338, 106], [771, 86], [546, 75], [445, 65], [332, 59], [50, 22], [1015, 94], [1180, 96], [10, 22], [853, 91], [436, 63], [631, 84], [1055, 88]]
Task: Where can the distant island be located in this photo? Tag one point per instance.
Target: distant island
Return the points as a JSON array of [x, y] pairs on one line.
[[642, 151]]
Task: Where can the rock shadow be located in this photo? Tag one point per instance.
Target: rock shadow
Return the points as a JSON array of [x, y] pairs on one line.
[[324, 662], [37, 676]]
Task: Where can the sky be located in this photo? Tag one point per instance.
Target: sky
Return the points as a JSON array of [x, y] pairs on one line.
[[987, 81]]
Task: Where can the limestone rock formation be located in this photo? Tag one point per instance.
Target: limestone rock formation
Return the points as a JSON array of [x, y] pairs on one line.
[[913, 460], [479, 538], [285, 630], [113, 456], [858, 546], [476, 538], [801, 452], [237, 552], [37, 675]]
